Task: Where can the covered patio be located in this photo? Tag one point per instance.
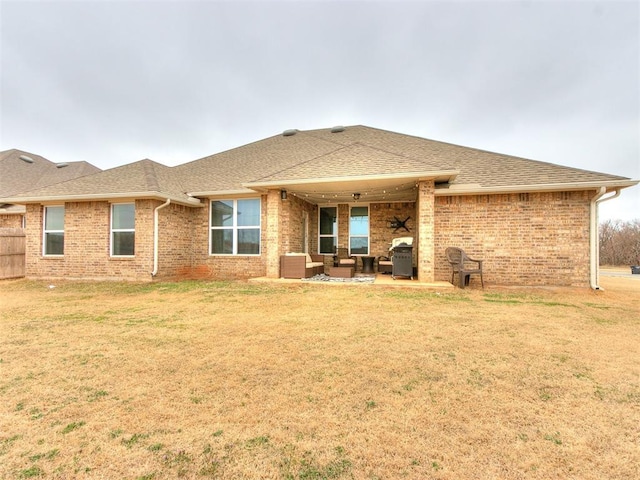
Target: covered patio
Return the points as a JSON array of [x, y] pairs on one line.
[[360, 215]]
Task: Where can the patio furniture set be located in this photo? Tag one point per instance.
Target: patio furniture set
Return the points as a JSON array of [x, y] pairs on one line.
[[399, 263]]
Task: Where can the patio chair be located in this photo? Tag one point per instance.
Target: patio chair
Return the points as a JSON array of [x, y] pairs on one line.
[[385, 264], [343, 259], [459, 262]]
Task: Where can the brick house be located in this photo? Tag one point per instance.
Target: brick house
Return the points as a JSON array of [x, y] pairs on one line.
[[232, 214]]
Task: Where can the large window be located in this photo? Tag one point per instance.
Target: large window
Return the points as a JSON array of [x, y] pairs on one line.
[[235, 227], [328, 230], [359, 231], [53, 231], [123, 232]]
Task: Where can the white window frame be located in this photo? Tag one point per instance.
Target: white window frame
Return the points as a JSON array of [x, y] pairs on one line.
[[121, 230], [235, 228], [367, 236], [333, 235], [45, 231]]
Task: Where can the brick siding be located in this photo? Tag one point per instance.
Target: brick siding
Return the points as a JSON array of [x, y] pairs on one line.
[[292, 225], [381, 233], [86, 244], [175, 236], [10, 221], [524, 239], [204, 265], [426, 219]]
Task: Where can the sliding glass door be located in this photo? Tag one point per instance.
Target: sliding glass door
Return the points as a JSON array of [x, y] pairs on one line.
[[359, 230]]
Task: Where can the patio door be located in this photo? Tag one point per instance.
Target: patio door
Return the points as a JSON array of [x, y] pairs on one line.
[[359, 230], [305, 232], [328, 230]]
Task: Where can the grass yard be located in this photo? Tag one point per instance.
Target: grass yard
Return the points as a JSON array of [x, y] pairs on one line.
[[245, 381]]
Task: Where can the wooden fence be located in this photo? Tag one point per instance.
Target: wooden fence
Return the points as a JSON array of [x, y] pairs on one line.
[[12, 250]]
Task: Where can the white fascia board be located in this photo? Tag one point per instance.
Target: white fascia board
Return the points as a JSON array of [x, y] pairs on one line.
[[451, 174], [475, 189], [104, 197], [223, 193]]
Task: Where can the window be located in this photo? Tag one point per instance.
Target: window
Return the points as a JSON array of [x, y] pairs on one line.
[[235, 227], [123, 232], [359, 231], [53, 230], [328, 230]]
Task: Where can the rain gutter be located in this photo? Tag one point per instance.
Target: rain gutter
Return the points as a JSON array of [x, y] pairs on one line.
[[594, 239], [155, 235], [191, 202], [477, 189]]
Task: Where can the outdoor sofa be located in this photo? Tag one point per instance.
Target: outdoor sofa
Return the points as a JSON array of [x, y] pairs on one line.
[[301, 265]]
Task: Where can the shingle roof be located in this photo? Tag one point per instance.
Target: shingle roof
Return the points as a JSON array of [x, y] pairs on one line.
[[144, 178], [475, 166], [18, 175], [361, 150], [227, 171], [354, 160], [330, 157]]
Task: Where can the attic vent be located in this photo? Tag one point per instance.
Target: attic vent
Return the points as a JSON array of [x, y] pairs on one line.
[[24, 158], [290, 133], [61, 165], [337, 129]]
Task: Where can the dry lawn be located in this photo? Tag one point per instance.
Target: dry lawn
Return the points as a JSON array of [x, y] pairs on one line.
[[244, 380]]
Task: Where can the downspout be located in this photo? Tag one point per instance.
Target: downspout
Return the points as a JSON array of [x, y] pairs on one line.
[[594, 240], [155, 236]]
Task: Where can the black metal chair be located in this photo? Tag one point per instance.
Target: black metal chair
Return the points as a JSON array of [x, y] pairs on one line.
[[459, 262]]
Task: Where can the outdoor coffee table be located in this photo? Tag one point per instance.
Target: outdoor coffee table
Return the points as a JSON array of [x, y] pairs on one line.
[[341, 272]]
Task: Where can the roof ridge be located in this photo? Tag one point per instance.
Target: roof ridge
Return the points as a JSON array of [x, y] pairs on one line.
[[181, 166], [154, 179], [312, 133], [303, 162], [491, 152], [346, 146], [12, 151], [397, 154], [150, 177]]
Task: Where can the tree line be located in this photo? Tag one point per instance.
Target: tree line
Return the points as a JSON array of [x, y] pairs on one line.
[[620, 242]]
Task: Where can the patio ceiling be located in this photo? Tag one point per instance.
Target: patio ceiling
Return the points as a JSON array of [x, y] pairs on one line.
[[378, 188]]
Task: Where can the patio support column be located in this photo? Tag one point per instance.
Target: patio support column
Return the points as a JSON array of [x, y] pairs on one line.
[[273, 234], [426, 234]]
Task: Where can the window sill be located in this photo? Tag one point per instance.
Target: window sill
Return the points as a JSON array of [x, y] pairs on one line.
[[236, 255]]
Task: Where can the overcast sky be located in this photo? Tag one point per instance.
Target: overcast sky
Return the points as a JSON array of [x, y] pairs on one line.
[[112, 82]]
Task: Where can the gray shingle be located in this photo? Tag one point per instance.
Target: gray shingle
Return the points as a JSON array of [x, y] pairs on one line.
[[17, 175], [321, 154]]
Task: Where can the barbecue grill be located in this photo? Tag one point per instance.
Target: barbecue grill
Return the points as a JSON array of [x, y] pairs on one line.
[[402, 257]]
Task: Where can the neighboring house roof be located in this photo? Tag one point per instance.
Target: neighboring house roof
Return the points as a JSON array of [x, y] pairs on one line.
[[330, 165], [21, 171]]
